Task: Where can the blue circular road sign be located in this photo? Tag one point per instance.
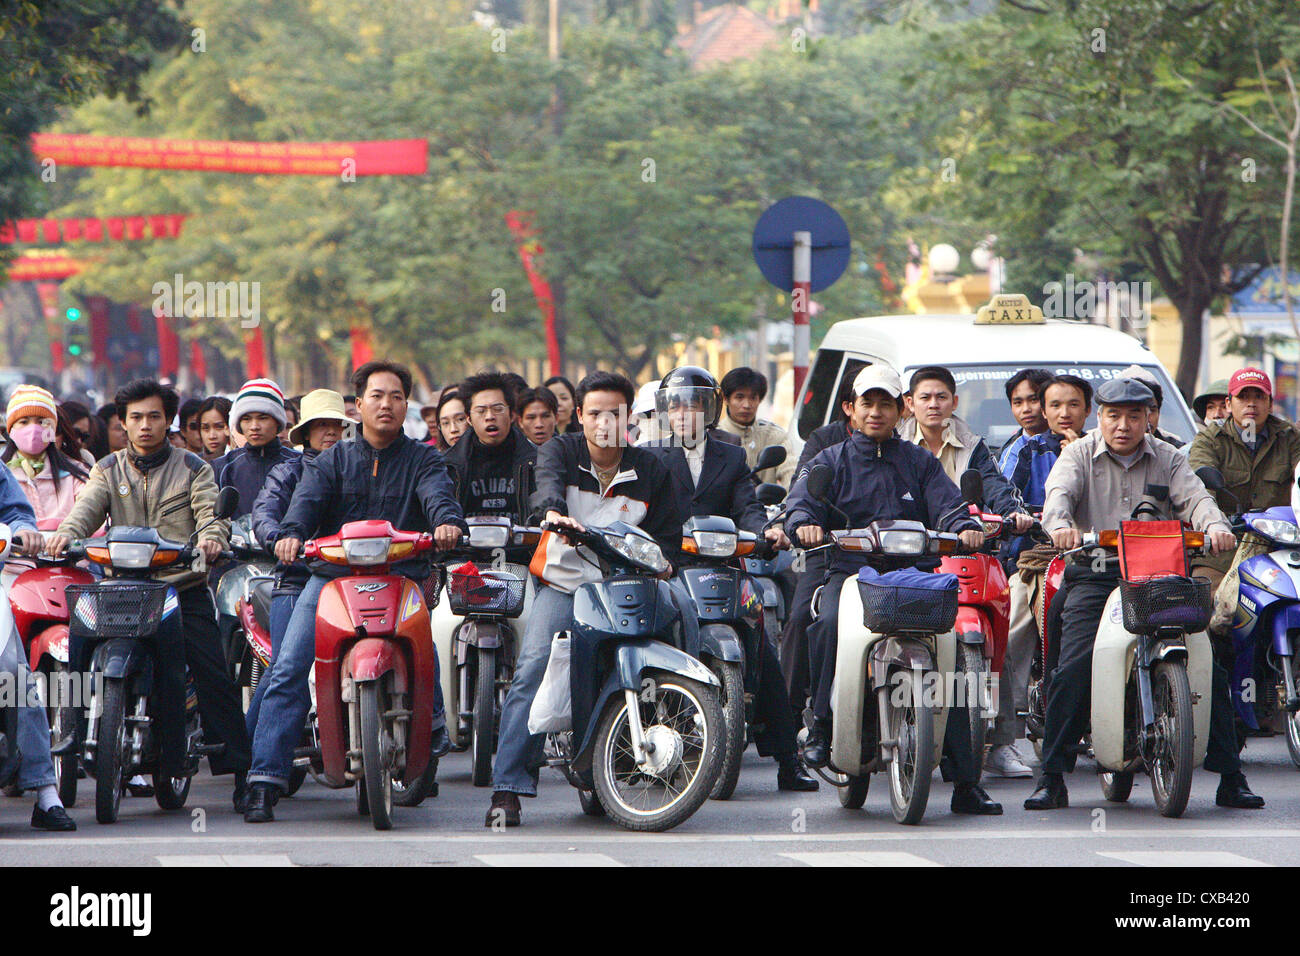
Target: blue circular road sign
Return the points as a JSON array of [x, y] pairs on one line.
[[774, 241]]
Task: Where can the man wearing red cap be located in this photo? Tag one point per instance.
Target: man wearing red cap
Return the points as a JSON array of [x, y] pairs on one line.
[[1256, 452]]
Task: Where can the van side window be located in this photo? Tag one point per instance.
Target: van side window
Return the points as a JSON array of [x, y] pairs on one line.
[[819, 390]]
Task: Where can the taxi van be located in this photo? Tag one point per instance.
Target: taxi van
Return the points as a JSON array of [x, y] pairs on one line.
[[982, 351]]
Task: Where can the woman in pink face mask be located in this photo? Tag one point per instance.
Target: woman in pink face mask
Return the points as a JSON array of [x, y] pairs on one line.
[[50, 477]]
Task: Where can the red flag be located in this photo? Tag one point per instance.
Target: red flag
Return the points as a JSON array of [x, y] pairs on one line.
[[168, 347], [26, 230], [50, 229], [98, 308], [72, 230], [520, 224], [198, 364], [116, 227], [361, 348], [48, 293], [94, 230], [8, 233], [135, 227], [158, 227], [174, 223], [256, 349]]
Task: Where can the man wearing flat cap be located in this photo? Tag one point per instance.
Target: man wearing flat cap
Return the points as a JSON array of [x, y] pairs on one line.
[[1095, 484]]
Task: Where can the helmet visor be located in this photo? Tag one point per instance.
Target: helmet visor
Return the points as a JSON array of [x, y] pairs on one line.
[[686, 411]]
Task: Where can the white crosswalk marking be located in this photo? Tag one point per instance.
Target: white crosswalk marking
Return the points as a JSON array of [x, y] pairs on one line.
[[860, 858], [226, 859], [1183, 858], [546, 859]]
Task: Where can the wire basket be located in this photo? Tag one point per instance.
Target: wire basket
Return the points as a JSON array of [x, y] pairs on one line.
[[1169, 600], [889, 609], [485, 592], [128, 609]]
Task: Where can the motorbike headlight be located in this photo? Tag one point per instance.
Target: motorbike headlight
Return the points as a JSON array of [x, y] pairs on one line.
[[903, 542], [1283, 532], [640, 550], [130, 554], [715, 544], [365, 551], [488, 536]]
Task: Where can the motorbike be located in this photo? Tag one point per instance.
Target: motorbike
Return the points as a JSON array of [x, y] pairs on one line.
[[121, 619], [895, 646], [645, 743], [232, 585], [730, 607], [374, 668], [1151, 668], [10, 757], [476, 633], [39, 605], [1043, 659]]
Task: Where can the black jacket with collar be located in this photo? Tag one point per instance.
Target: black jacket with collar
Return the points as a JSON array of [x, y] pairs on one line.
[[478, 474], [246, 468], [725, 487]]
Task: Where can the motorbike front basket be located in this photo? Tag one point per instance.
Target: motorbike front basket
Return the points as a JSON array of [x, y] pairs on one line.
[[1168, 600], [111, 609]]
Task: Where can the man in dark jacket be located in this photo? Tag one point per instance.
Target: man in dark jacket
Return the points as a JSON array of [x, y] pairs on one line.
[[258, 414], [713, 476], [877, 476], [584, 479], [383, 475], [492, 465], [324, 422]]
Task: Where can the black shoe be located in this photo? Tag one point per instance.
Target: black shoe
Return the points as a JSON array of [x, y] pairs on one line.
[[139, 789], [971, 798], [792, 775], [259, 803], [1050, 795], [817, 749], [240, 796], [504, 803], [55, 818], [441, 741], [1234, 793]]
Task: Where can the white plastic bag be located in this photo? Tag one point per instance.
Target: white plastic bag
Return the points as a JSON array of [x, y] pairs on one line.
[[552, 710]]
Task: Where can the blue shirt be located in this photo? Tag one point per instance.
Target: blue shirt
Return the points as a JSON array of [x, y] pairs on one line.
[[1026, 463]]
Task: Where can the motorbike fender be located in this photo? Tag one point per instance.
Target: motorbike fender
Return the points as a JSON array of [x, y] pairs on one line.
[[771, 593], [631, 660], [258, 641], [121, 658], [1114, 650], [1285, 621], [371, 658], [444, 626], [51, 642], [486, 634], [720, 642]]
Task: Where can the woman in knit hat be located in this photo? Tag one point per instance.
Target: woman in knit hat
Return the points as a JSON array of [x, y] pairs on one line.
[[50, 477]]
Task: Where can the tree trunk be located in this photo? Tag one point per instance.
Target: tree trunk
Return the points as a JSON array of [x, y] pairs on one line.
[[1190, 312]]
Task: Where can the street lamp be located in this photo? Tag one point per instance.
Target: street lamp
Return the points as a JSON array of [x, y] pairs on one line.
[[944, 260]]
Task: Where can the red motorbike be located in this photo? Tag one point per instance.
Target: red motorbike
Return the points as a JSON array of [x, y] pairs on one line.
[[40, 611], [374, 667]]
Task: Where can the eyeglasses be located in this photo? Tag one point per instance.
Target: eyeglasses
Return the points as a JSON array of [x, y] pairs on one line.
[[481, 410], [454, 420]]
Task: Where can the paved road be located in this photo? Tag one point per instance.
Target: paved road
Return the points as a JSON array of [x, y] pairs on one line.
[[758, 826]]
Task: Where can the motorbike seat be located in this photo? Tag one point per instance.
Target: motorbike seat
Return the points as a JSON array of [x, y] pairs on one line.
[[260, 596]]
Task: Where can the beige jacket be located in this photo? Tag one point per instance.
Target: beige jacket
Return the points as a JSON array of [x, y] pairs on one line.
[[175, 498], [754, 438]]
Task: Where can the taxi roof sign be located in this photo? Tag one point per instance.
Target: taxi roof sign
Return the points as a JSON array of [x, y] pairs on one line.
[[1010, 310]]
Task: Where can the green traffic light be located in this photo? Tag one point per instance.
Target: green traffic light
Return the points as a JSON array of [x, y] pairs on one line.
[[74, 349], [73, 315]]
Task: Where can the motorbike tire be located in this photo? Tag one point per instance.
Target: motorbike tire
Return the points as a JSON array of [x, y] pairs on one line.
[[296, 777], [854, 794], [168, 795], [483, 731], [732, 679], [378, 775], [1116, 787], [910, 771], [62, 722], [704, 699], [418, 792], [1171, 786], [591, 804], [1293, 720], [110, 752], [973, 661]]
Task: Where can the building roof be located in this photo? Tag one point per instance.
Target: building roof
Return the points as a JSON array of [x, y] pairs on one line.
[[726, 33]]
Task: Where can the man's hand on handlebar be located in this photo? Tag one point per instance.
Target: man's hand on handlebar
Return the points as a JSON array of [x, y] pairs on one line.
[[563, 521], [1221, 542], [56, 544], [28, 541], [286, 550], [210, 549], [1021, 522], [810, 535], [446, 536], [972, 539], [1067, 539], [778, 538]]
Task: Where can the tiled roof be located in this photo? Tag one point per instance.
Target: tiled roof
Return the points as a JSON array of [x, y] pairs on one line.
[[726, 33]]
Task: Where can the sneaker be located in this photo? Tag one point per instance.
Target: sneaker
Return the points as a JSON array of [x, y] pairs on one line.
[[1005, 761]]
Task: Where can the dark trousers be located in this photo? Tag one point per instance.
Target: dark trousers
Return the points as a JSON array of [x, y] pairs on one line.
[[823, 646], [1069, 692], [795, 638], [772, 708]]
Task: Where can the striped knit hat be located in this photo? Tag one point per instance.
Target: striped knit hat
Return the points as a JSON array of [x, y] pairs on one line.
[[258, 395], [30, 400]]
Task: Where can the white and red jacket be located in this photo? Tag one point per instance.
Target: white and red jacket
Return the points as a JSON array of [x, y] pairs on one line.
[[641, 494]]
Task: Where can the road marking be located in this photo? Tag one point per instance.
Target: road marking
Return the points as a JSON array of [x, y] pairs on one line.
[[226, 859], [546, 859], [860, 858], [1183, 858]]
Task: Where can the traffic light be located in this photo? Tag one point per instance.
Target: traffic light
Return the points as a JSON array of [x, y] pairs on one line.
[[78, 332], [73, 314]]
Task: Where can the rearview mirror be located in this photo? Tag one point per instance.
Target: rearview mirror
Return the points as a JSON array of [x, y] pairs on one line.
[[972, 487], [770, 457], [819, 481], [770, 494], [227, 503], [1211, 477]]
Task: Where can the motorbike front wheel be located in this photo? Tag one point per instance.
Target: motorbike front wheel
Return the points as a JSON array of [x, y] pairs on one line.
[[376, 755], [111, 751], [733, 713], [1171, 763], [1116, 787], [683, 720], [1293, 720], [171, 793], [62, 720], [973, 662], [483, 732], [911, 727]]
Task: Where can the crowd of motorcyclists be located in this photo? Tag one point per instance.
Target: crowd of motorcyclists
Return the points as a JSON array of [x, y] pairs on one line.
[[566, 457]]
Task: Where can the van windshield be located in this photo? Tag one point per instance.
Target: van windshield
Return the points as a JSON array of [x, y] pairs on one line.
[[982, 396]]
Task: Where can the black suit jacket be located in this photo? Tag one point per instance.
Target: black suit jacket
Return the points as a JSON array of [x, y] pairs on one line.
[[725, 487]]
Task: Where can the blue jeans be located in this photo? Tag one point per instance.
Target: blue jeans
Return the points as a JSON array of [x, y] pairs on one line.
[[287, 698], [519, 753], [37, 768], [281, 611]]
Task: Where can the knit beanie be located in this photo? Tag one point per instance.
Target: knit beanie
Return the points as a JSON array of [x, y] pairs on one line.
[[29, 400], [258, 395]]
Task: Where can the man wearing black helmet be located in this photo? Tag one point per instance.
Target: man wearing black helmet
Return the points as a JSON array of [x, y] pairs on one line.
[[710, 473]]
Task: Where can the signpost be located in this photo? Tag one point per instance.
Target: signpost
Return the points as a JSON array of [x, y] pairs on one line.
[[801, 245]]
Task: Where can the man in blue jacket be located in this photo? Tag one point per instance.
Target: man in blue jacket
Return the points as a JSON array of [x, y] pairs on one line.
[[381, 474], [877, 476], [258, 414]]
